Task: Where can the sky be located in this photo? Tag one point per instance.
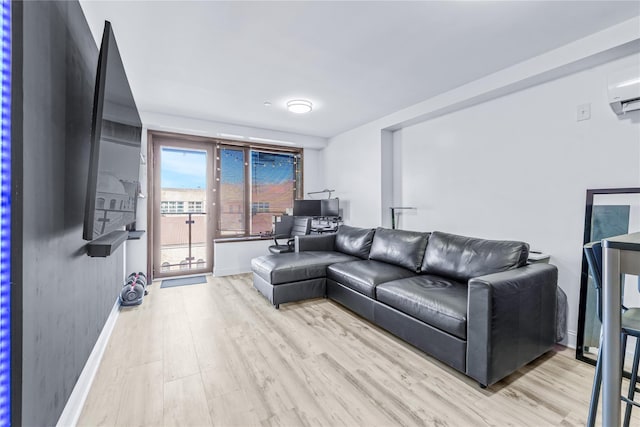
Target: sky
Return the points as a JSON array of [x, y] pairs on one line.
[[187, 168], [183, 168]]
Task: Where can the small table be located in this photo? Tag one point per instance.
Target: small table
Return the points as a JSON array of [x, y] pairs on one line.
[[536, 257], [621, 255]]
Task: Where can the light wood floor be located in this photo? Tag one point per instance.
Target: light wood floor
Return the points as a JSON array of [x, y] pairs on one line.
[[220, 354]]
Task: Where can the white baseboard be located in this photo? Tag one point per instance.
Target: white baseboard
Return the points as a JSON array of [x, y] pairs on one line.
[[571, 340], [73, 408], [219, 272]]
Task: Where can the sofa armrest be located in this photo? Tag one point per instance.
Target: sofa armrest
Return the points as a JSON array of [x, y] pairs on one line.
[[511, 320], [316, 242]]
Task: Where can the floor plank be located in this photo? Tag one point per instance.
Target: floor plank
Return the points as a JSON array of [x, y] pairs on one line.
[[141, 402], [219, 354], [185, 403]]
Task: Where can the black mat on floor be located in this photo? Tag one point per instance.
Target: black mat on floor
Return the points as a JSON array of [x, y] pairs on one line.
[[170, 283]]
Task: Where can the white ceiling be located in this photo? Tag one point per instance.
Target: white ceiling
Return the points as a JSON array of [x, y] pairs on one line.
[[356, 61]]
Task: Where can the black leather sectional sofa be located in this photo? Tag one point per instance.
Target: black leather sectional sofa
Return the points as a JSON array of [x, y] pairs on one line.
[[474, 304]]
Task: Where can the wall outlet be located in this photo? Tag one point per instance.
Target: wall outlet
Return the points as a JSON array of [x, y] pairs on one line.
[[583, 112]]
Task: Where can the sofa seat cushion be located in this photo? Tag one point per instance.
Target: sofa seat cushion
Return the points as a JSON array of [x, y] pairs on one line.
[[439, 302], [296, 266], [364, 276]]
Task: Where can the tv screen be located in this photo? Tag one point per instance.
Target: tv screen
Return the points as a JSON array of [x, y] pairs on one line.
[[330, 207], [307, 208], [116, 131]]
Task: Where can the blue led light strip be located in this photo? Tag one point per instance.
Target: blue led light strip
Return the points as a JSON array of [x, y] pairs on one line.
[[5, 215]]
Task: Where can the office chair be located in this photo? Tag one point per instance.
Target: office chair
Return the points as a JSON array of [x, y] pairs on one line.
[[300, 226], [630, 325]]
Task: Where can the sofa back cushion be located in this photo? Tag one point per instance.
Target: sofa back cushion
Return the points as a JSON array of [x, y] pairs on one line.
[[354, 241], [462, 258], [399, 247]]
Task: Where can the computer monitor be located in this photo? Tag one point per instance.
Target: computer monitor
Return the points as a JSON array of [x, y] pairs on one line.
[[307, 208], [330, 207]]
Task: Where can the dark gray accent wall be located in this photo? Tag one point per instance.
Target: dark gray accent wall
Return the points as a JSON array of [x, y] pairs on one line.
[[16, 214], [66, 295]]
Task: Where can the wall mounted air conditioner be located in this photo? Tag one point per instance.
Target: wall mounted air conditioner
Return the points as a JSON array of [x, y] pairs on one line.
[[624, 90]]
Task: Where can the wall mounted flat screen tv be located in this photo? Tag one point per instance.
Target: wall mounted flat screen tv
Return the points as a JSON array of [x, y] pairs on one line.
[[307, 208], [330, 207], [116, 130]]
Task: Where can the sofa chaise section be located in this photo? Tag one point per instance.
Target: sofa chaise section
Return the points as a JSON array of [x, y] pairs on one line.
[[297, 276], [293, 276]]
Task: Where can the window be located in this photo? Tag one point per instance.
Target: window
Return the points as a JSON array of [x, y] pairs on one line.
[[195, 206], [259, 207], [253, 186], [172, 207], [231, 183], [273, 187], [165, 267]]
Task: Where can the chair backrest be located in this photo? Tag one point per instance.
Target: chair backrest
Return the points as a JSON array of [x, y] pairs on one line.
[[301, 226], [593, 253], [283, 225]]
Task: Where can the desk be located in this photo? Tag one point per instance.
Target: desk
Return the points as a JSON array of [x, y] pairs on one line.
[[621, 255], [322, 230]]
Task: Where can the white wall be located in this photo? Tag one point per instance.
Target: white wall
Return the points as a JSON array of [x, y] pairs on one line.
[[190, 126], [353, 161], [518, 168], [313, 166], [386, 177], [352, 167], [235, 257], [136, 250], [313, 161]]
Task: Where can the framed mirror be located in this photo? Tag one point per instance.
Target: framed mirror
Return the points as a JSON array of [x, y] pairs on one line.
[[609, 212]]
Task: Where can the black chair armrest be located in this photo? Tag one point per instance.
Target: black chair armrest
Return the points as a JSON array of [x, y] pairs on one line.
[[280, 236], [511, 320], [319, 242]]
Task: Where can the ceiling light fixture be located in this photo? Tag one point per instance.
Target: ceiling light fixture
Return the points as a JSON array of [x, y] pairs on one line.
[[299, 106]]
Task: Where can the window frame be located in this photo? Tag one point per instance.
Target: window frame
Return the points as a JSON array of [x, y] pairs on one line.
[[247, 148]]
